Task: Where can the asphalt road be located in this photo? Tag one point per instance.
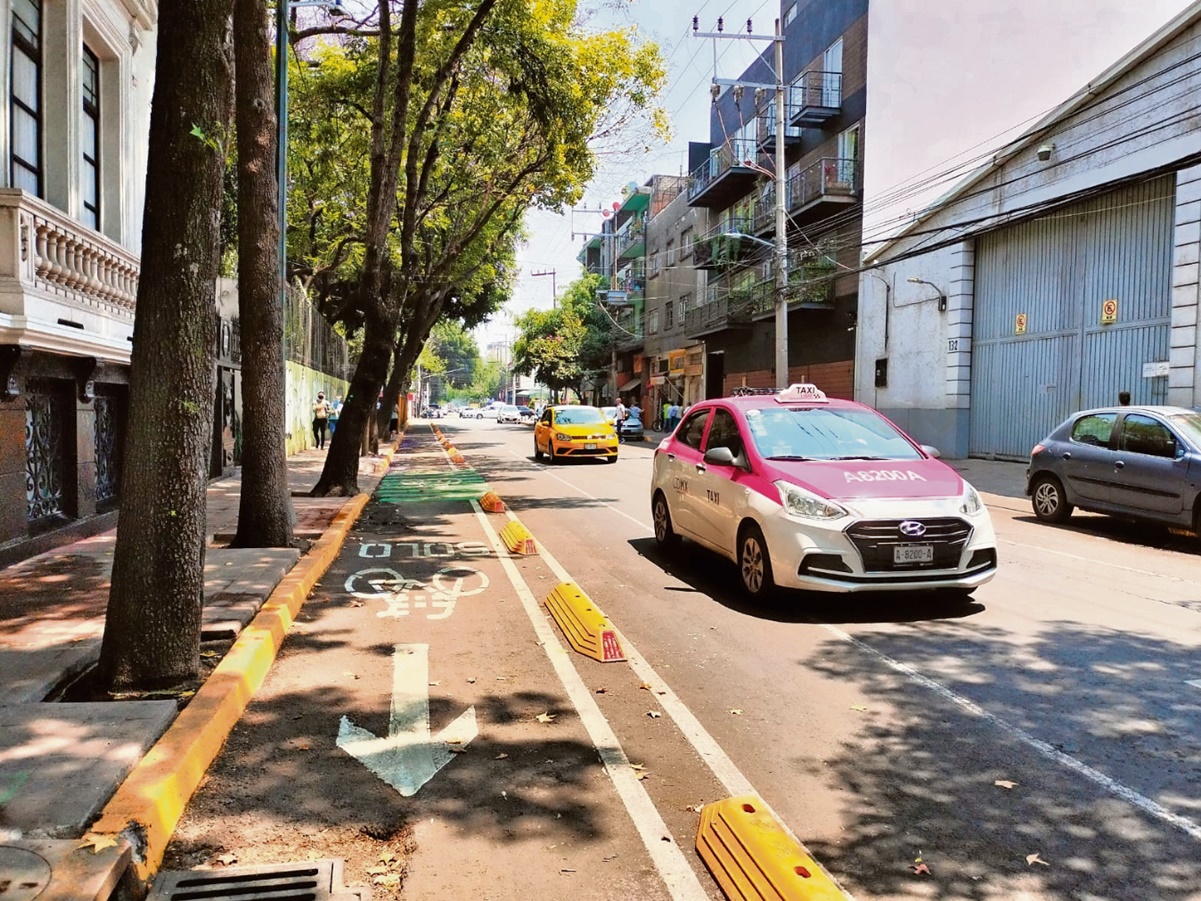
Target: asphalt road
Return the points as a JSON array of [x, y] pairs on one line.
[[1038, 742], [879, 727]]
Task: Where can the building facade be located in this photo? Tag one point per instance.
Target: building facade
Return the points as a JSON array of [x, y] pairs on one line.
[[734, 179], [78, 76], [1059, 274], [674, 365]]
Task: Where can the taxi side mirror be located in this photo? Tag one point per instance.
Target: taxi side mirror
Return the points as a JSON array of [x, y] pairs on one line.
[[931, 451], [723, 456]]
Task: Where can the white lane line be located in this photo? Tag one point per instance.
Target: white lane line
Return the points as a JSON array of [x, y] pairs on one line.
[[1142, 802], [678, 876], [723, 768], [1195, 683], [1094, 562], [591, 497]]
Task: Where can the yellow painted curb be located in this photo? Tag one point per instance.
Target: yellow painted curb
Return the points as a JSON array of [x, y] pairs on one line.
[[583, 624], [517, 539], [148, 805], [751, 855]]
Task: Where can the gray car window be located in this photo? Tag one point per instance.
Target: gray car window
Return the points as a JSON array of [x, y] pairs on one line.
[[1094, 429], [1144, 435], [724, 433]]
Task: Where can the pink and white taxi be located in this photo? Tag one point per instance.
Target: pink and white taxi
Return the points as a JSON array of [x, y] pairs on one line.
[[805, 491]]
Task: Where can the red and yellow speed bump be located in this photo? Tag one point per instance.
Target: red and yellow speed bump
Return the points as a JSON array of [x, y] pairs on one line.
[[751, 855], [517, 539], [583, 624], [492, 503]]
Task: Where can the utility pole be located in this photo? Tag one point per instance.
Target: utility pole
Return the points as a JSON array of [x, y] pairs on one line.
[[554, 293], [779, 177]]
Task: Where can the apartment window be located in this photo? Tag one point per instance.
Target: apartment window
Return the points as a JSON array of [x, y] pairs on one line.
[[669, 319], [653, 322], [25, 100], [790, 16], [671, 252], [686, 243], [684, 304], [91, 140]]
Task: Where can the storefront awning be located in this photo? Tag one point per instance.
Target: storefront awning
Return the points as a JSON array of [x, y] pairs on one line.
[[630, 385]]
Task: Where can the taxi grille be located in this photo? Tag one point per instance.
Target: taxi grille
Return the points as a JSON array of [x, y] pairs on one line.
[[875, 541]]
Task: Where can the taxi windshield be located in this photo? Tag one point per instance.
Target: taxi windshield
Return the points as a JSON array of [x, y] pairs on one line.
[[822, 433], [579, 416]]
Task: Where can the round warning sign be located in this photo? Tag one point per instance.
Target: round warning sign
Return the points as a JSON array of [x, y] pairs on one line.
[[1109, 311]]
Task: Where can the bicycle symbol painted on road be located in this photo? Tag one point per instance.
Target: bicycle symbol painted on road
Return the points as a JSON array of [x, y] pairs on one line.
[[403, 596]]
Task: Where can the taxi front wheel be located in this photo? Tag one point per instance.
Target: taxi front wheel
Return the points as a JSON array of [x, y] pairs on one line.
[[754, 564]]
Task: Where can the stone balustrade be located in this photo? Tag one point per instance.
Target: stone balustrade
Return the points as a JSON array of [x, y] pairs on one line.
[[60, 256]]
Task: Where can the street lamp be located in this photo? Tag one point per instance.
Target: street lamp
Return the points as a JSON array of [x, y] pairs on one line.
[[337, 11], [942, 298]]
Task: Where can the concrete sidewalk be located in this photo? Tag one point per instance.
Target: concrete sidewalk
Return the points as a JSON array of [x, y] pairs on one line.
[[60, 763]]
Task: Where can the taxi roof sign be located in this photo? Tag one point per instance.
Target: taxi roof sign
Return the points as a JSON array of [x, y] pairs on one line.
[[802, 392]]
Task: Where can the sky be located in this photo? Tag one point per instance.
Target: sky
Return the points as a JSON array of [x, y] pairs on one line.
[[965, 73]]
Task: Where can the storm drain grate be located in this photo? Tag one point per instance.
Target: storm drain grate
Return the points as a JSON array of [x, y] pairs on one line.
[[317, 880]]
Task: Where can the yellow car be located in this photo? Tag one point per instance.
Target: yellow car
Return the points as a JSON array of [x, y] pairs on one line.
[[574, 430]]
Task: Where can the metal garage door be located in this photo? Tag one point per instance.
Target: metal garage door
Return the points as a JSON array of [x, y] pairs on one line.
[[1059, 270]]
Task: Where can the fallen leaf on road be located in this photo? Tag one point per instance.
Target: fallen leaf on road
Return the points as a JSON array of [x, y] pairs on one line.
[[859, 708], [356, 603], [352, 675], [654, 714], [1032, 859], [209, 654], [471, 680], [637, 766], [228, 859], [694, 808], [566, 870], [546, 717], [641, 776], [737, 711], [601, 691], [302, 745], [438, 682], [610, 857], [501, 756], [97, 842], [1004, 783], [920, 869], [454, 749], [501, 679], [645, 686]]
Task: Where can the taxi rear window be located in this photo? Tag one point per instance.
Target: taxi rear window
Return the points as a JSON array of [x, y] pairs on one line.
[[819, 433]]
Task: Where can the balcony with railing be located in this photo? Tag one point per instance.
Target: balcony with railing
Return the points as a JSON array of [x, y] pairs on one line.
[[816, 98], [725, 309], [61, 271], [764, 221], [725, 246], [631, 241], [826, 184], [727, 175], [765, 124]]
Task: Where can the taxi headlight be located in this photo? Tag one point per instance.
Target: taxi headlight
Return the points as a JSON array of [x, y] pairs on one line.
[[806, 504], [559, 436], [971, 503]]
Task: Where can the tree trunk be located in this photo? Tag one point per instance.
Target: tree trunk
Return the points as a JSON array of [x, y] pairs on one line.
[[265, 514], [152, 631], [340, 476]]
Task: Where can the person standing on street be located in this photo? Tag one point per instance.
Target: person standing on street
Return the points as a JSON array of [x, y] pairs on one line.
[[673, 416], [334, 410], [320, 419], [618, 418]]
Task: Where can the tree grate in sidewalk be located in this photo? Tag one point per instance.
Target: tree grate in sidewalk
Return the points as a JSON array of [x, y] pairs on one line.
[[317, 880]]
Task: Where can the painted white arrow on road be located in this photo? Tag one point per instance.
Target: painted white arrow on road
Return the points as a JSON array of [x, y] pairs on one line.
[[409, 756]]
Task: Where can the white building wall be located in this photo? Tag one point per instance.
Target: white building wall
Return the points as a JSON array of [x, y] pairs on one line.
[[1134, 122]]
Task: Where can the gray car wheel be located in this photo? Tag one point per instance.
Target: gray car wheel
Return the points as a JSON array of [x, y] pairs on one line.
[[1049, 502]]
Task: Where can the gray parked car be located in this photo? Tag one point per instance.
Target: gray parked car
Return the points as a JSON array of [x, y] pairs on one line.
[[1134, 462]]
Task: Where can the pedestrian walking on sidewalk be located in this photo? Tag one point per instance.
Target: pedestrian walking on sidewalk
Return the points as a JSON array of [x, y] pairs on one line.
[[320, 419]]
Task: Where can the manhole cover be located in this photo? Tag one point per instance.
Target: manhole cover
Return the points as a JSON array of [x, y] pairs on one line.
[[23, 874], [316, 880]]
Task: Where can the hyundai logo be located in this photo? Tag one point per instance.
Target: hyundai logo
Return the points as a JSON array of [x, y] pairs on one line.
[[912, 528]]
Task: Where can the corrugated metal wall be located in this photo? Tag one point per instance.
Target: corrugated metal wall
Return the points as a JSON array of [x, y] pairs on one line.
[[1058, 271]]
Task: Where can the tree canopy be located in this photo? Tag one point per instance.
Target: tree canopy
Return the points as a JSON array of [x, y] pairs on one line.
[[565, 347]]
